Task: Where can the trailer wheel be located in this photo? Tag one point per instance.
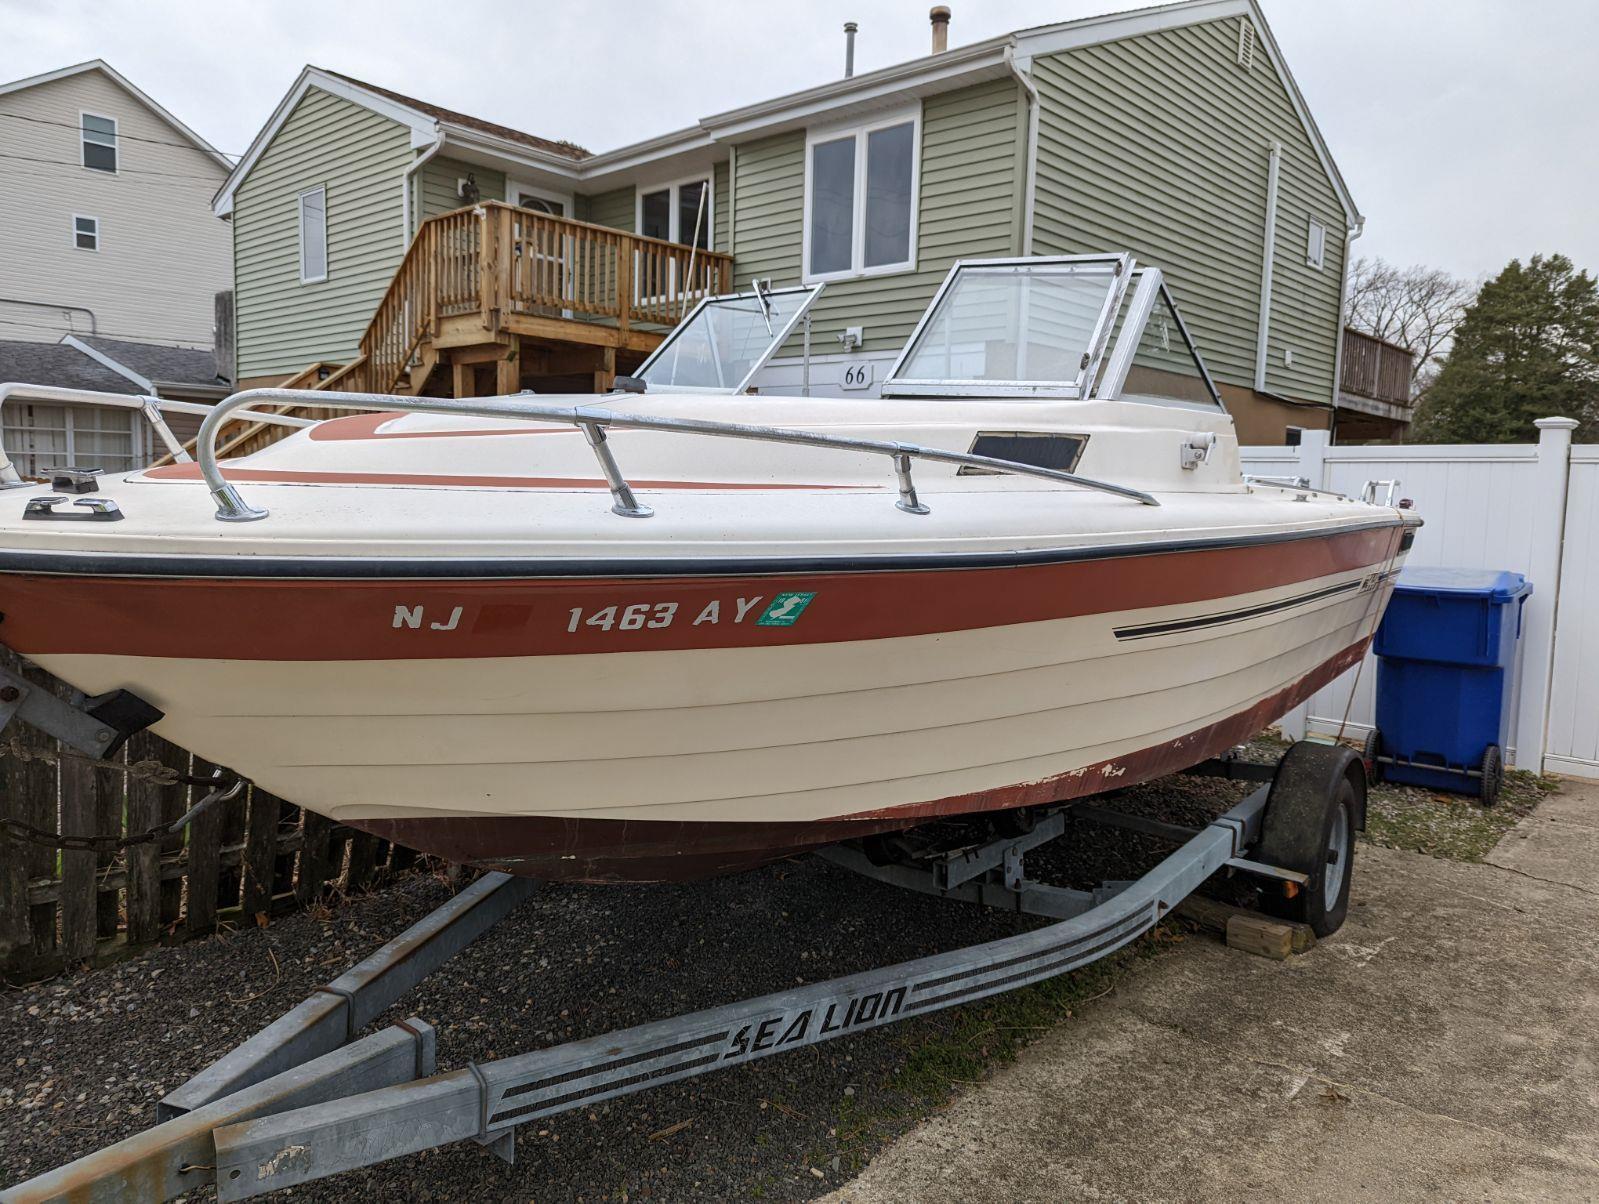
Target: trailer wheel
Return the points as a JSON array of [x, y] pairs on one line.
[[1370, 753], [1493, 775], [1316, 804]]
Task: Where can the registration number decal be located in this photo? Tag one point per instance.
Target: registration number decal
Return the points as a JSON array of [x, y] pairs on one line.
[[783, 611]]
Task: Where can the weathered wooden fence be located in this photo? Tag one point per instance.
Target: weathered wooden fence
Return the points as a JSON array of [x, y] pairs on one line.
[[254, 855]]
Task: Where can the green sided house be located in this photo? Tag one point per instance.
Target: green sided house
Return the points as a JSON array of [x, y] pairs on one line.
[[385, 244]]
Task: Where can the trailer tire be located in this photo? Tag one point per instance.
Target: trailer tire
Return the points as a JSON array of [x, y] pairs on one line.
[[1317, 802]]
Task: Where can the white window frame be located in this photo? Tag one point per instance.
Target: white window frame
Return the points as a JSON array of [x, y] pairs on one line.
[[1316, 244], [72, 234], [116, 142], [514, 188], [673, 187], [299, 218], [833, 133]]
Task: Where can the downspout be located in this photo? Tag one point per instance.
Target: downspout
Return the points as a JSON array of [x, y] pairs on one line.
[[1030, 155], [405, 190], [1268, 249], [1350, 234]]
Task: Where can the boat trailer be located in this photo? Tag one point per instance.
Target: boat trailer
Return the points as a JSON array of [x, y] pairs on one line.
[[308, 1096]]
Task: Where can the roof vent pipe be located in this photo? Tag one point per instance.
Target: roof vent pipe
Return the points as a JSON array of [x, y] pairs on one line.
[[940, 19], [849, 48]]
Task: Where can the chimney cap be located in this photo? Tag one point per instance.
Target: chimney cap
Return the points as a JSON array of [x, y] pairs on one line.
[[939, 14], [851, 27]]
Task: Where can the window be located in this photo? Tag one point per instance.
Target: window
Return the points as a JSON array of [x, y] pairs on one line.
[[540, 204], [86, 233], [1293, 436], [1316, 244], [672, 212], [860, 194], [313, 235], [38, 437], [99, 142]]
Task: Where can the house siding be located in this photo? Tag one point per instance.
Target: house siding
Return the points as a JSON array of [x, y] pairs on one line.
[[360, 157], [721, 206], [439, 186], [163, 254], [615, 209], [967, 199], [1169, 161]]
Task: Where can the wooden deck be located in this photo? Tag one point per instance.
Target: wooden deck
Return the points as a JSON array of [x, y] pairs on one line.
[[526, 293], [493, 299], [1373, 387]]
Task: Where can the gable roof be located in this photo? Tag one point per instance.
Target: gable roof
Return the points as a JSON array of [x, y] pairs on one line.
[[116, 77], [568, 149], [1006, 54], [61, 365], [156, 362], [87, 361]]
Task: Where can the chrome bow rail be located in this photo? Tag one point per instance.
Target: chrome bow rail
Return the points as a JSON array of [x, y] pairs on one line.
[[594, 423], [150, 407]]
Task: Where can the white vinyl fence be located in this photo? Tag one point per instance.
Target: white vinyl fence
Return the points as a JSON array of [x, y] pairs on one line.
[[1529, 508]]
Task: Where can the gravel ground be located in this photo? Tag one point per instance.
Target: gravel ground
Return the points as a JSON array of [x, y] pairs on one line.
[[86, 1057]]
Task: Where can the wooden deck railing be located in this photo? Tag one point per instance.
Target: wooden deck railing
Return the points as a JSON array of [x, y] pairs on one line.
[[1375, 368], [496, 259]]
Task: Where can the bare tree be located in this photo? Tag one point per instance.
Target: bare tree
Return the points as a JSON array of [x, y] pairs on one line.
[[1417, 308]]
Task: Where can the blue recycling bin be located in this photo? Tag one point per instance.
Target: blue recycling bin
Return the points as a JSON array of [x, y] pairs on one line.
[[1445, 650]]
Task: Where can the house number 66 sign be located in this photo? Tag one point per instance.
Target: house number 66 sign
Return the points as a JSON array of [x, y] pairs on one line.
[[858, 376]]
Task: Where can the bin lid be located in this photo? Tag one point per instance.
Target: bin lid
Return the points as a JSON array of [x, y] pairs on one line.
[[1496, 585]]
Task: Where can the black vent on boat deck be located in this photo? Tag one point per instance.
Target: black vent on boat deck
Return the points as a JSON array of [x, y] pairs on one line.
[[1060, 452]]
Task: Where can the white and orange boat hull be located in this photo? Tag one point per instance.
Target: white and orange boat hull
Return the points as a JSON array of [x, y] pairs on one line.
[[488, 720]]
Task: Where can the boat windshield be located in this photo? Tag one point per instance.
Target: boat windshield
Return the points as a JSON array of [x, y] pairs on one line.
[[1013, 327], [725, 340]]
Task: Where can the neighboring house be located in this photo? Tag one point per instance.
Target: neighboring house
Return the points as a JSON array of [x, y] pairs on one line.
[[1176, 133], [105, 224], [39, 435]]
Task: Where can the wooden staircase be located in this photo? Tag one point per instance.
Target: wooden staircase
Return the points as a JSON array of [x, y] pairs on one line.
[[493, 299], [527, 295]]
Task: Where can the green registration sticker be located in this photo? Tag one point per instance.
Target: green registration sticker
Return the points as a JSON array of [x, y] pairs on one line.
[[784, 610]]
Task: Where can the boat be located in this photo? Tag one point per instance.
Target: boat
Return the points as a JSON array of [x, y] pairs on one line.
[[689, 627]]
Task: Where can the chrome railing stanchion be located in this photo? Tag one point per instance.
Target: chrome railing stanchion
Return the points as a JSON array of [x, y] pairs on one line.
[[908, 501], [625, 503]]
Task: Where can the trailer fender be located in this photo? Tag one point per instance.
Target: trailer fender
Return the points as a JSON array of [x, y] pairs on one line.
[[1307, 776]]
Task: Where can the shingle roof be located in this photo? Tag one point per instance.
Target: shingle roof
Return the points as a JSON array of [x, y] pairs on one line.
[[180, 365], [569, 150], [58, 364]]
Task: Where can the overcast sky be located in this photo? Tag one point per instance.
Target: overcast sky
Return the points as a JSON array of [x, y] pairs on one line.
[[1463, 127]]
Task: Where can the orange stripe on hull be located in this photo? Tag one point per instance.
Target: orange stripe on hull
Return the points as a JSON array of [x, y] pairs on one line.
[[275, 618]]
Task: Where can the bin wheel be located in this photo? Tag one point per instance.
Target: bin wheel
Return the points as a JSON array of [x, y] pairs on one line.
[[1370, 753], [1493, 775], [1309, 826]]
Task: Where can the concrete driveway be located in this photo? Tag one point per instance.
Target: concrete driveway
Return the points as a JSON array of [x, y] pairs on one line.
[[1441, 1046]]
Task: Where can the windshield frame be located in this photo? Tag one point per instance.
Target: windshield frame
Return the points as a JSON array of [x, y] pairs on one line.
[[1119, 267], [780, 335], [1150, 293]]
